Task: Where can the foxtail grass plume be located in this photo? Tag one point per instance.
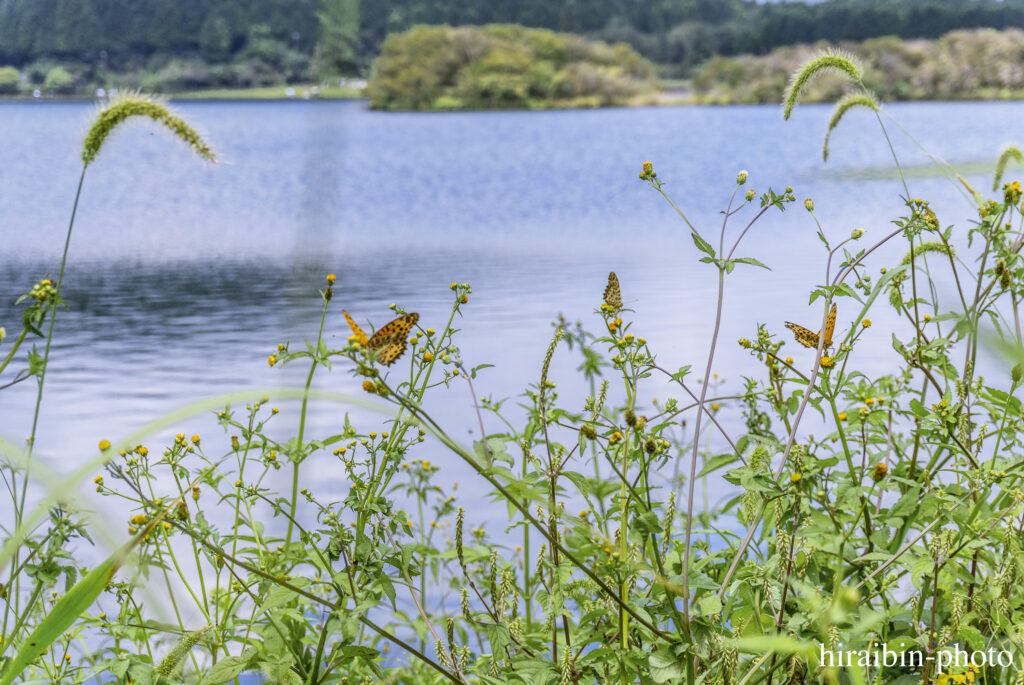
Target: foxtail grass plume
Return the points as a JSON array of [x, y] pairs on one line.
[[136, 105], [842, 107], [171, 663], [829, 61], [1005, 156]]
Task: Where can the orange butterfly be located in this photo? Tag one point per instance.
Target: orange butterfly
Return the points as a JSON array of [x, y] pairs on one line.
[[612, 294], [809, 339], [389, 341]]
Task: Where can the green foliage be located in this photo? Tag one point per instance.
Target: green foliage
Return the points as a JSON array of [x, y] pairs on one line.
[[895, 519], [503, 66], [59, 79], [121, 42], [337, 48], [9, 80], [964, 64]]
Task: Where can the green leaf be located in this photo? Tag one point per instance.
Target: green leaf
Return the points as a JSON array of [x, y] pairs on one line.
[[715, 463], [665, 666], [65, 612], [277, 596], [918, 408], [228, 668], [752, 262], [702, 245], [710, 605]]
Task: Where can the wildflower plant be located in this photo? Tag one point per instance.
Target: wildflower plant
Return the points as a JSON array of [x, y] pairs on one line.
[[865, 509]]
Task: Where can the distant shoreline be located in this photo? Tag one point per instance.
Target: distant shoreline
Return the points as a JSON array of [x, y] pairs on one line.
[[668, 97]]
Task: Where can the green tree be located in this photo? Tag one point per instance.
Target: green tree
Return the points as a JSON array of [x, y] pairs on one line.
[[59, 80], [76, 27], [337, 47], [215, 38], [9, 78]]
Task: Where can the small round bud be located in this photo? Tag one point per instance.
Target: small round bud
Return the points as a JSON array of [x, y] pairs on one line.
[[741, 177], [809, 204]]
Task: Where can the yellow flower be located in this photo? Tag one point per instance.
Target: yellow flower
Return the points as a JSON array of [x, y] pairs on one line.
[[744, 343], [428, 357], [142, 450], [880, 471], [331, 278], [138, 519], [98, 480], [789, 360], [842, 416], [869, 401], [271, 360], [368, 385], [715, 407], [615, 437], [195, 439], [927, 317], [795, 478], [648, 167], [828, 361], [463, 298], [809, 204], [585, 513], [104, 445], [866, 323]]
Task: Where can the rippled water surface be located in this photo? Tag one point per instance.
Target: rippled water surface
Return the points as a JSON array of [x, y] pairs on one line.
[[183, 276]]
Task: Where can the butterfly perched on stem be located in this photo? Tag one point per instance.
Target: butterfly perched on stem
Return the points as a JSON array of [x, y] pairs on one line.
[[612, 294], [808, 338], [389, 341]]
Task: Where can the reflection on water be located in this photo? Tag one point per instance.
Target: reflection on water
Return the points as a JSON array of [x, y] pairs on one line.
[[184, 277]]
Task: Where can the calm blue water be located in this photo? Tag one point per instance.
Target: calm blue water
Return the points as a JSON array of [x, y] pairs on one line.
[[183, 276]]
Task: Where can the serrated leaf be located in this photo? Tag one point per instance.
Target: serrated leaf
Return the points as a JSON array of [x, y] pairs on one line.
[[702, 245], [752, 262]]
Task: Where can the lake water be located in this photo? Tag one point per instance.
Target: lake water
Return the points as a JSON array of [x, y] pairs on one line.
[[184, 276]]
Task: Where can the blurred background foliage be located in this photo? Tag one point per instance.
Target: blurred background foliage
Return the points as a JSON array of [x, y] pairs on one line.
[[179, 45]]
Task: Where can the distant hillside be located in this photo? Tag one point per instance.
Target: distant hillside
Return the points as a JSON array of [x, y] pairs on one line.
[[75, 46], [962, 65]]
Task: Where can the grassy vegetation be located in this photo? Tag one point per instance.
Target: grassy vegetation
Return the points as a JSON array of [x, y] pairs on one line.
[[272, 93], [894, 522], [504, 66]]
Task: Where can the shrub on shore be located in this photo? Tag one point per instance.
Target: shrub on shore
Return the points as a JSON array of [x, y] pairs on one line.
[[504, 66]]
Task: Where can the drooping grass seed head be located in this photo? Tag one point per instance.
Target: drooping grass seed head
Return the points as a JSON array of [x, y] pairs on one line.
[[842, 107], [832, 61], [138, 105]]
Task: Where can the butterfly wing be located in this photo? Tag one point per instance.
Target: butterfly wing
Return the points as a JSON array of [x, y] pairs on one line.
[[830, 326], [612, 294], [399, 328], [357, 332], [391, 349], [803, 336]]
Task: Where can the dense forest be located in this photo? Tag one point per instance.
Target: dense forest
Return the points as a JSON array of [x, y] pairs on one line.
[[195, 43]]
